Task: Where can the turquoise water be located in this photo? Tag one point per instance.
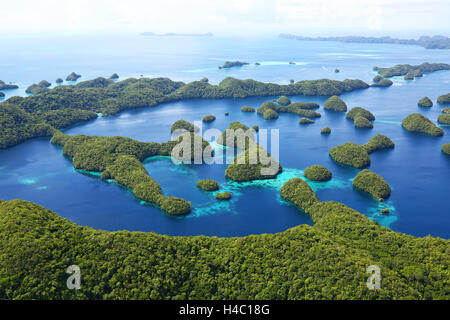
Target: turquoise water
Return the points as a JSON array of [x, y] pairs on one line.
[[416, 169]]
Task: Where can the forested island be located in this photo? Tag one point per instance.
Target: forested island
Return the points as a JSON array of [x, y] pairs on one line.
[[5, 86], [120, 158], [34, 116], [231, 64], [434, 42], [411, 71]]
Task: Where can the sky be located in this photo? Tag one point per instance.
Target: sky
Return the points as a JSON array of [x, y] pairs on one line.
[[408, 18]]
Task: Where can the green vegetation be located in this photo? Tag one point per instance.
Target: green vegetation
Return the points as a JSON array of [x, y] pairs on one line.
[[120, 159], [183, 125], [283, 100], [36, 89], [350, 154], [204, 79], [377, 78], [385, 211], [444, 118], [18, 125], [358, 111], [305, 121], [230, 64], [247, 109], [444, 99], [415, 71], [425, 102], [238, 136], [270, 114], [413, 74], [139, 265], [372, 183], [209, 118], [378, 142], [434, 42], [223, 196], [335, 103], [59, 80], [73, 77], [253, 164], [361, 122], [383, 83], [303, 105], [326, 130], [317, 173], [446, 148], [256, 128], [107, 97], [418, 123], [446, 110], [208, 185], [299, 193], [4, 86], [114, 76]]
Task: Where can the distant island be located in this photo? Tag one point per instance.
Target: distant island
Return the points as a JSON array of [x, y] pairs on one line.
[[172, 34], [434, 42], [230, 64]]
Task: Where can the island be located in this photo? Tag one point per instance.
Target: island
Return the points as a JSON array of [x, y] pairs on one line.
[[444, 118], [446, 148], [362, 122], [208, 185], [446, 110], [120, 159], [377, 78], [73, 77], [254, 163], [59, 80], [444, 99], [231, 64], [383, 83], [36, 89], [2, 95], [223, 195], [418, 123], [326, 130], [428, 42], [411, 70], [350, 154], [114, 76], [107, 97], [4, 86], [44, 83], [317, 173], [284, 101], [173, 34], [372, 183], [247, 109], [270, 114], [413, 74], [208, 118], [335, 103], [359, 112], [305, 121], [378, 142], [297, 191], [337, 70], [183, 125], [425, 102]]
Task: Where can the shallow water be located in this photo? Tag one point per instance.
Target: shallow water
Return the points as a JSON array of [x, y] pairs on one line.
[[416, 169]]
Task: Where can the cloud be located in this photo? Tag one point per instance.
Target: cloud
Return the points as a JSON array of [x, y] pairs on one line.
[[219, 16]]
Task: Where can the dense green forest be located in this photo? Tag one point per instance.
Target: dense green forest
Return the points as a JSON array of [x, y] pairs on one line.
[[68, 104], [120, 158], [416, 122], [325, 261], [411, 71]]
